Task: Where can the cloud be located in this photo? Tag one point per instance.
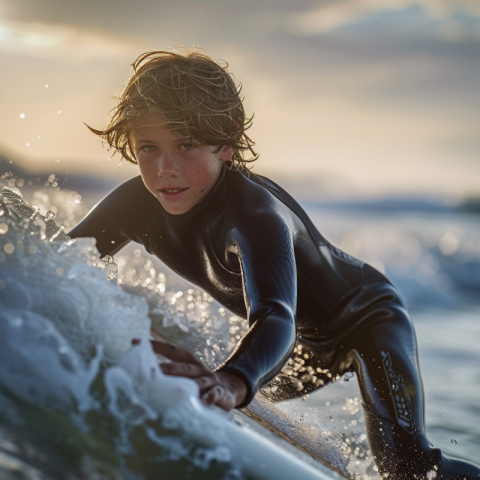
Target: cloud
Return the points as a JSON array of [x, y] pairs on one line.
[[443, 15], [64, 41], [353, 90]]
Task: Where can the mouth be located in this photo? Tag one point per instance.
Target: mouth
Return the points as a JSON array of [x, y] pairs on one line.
[[172, 193]]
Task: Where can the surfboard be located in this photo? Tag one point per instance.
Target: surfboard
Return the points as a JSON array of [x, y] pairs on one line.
[[269, 452]]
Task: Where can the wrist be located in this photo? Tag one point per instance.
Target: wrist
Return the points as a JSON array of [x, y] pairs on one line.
[[236, 385]]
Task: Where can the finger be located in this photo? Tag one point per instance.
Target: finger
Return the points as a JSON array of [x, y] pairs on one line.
[[184, 369], [219, 396], [213, 395], [172, 352], [205, 383], [226, 401]]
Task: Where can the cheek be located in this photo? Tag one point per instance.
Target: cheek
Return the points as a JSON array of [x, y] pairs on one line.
[[208, 177], [202, 173], [148, 173], [146, 169]]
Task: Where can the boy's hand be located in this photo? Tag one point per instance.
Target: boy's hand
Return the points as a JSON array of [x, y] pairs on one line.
[[216, 388]]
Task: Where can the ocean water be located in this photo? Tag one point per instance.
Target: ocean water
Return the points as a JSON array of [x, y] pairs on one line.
[[77, 401]]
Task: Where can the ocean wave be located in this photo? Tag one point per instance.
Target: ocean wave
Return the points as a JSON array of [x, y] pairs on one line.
[[72, 383], [434, 260], [67, 361]]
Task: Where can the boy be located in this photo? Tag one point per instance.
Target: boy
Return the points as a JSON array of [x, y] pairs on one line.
[[248, 244]]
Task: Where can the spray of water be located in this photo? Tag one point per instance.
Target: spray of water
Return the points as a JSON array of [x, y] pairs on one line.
[[68, 362], [74, 317]]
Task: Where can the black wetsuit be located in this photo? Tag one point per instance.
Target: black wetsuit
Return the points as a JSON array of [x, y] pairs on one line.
[[253, 248]]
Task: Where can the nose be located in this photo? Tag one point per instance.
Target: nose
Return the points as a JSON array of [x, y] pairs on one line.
[[166, 166]]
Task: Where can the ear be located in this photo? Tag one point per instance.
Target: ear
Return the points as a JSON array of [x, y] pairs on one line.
[[226, 153]]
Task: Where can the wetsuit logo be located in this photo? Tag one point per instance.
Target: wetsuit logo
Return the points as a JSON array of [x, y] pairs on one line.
[[400, 398]]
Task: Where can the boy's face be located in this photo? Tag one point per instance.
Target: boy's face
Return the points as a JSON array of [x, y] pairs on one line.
[[179, 173]]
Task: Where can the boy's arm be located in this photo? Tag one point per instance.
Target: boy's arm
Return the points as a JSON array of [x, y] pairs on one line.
[[266, 254], [116, 219]]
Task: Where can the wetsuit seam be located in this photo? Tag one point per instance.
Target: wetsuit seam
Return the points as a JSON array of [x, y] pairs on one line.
[[347, 294], [357, 287], [276, 193], [210, 244], [246, 299], [390, 421]]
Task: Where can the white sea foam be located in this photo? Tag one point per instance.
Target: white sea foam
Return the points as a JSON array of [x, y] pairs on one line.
[[65, 328]]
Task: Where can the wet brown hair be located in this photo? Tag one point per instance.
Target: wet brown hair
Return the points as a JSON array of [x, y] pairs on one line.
[[197, 96]]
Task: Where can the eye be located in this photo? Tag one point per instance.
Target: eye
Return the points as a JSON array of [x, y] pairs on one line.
[[148, 148], [187, 146]]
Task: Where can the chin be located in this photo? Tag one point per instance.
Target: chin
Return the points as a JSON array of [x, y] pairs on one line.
[[176, 210]]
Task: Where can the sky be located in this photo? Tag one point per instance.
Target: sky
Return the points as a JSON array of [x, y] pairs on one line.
[[351, 98]]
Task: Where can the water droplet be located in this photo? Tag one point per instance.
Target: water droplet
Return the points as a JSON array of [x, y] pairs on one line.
[[453, 441], [348, 376], [304, 397], [59, 111], [111, 268], [35, 213], [22, 115], [108, 259], [46, 86], [50, 215]]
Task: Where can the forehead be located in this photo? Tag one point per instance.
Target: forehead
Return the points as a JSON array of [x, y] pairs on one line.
[[153, 125]]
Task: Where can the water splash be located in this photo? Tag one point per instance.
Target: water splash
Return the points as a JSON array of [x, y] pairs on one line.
[[68, 363], [111, 268]]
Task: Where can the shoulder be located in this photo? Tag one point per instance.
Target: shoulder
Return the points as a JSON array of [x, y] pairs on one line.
[[280, 203], [255, 210], [252, 194], [126, 207]]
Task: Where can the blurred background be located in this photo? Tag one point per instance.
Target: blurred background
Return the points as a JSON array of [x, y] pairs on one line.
[[352, 98], [367, 111]]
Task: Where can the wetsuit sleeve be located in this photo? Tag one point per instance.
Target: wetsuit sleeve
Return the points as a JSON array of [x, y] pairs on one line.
[[266, 255], [122, 216]]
